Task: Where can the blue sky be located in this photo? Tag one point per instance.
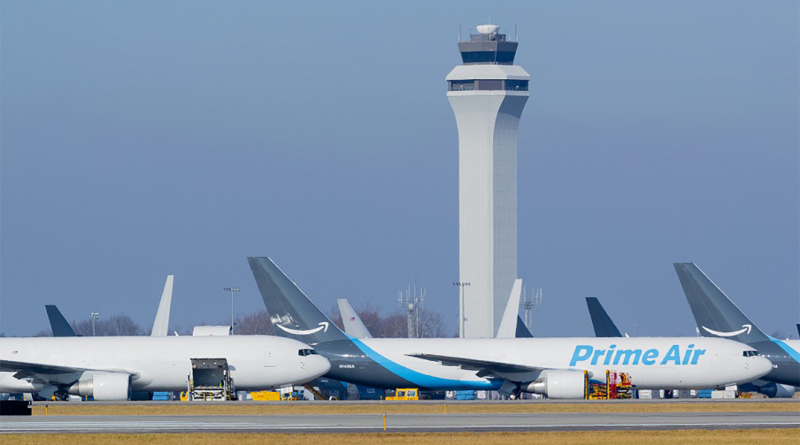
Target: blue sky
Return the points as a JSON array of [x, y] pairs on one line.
[[144, 138]]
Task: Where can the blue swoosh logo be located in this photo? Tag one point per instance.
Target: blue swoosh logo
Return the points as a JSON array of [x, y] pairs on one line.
[[792, 353], [424, 380]]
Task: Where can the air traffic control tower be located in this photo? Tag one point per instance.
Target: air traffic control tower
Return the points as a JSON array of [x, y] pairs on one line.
[[487, 93]]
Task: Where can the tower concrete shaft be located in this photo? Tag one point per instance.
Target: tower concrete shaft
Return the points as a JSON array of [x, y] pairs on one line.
[[487, 94]]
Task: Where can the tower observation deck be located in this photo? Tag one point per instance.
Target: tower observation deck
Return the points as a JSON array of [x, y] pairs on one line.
[[487, 93]]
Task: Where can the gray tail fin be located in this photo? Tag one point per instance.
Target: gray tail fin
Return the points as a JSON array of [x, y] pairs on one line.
[[714, 313], [603, 326], [522, 330], [58, 323], [292, 313]]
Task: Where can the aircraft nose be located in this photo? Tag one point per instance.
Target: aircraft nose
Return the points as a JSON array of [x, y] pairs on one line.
[[319, 365], [762, 366]]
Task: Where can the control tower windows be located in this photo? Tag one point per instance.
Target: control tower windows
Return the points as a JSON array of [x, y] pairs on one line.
[[461, 85], [499, 57], [488, 85], [517, 85]]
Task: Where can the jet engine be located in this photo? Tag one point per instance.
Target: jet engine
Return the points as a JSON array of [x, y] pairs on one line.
[[558, 385], [777, 390], [103, 386]]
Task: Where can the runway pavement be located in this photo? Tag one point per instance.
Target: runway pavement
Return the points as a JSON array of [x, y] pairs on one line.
[[355, 423]]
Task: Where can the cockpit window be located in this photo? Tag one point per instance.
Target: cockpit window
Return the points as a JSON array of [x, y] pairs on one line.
[[305, 352], [750, 353]]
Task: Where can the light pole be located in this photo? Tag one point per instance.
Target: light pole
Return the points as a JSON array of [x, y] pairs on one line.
[[231, 290], [461, 319], [95, 316]]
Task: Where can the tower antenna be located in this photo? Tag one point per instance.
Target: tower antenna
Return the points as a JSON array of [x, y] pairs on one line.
[[411, 302], [516, 33]]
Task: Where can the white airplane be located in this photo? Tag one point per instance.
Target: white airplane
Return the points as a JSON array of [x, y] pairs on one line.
[[551, 366], [109, 368]]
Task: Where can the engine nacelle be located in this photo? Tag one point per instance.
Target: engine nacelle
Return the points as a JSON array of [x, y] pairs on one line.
[[103, 386], [559, 385], [9, 383], [777, 391]]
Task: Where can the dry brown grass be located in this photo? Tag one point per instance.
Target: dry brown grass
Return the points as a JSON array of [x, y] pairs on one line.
[[695, 437], [90, 409]]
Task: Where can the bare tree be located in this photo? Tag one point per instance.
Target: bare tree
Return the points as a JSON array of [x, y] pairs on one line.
[[115, 325], [780, 334], [431, 324], [256, 323], [395, 325]]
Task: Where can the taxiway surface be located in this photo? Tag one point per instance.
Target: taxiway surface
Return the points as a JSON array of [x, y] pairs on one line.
[[354, 423]]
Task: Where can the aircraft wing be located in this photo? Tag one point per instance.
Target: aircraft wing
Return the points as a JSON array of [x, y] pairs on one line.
[[36, 368], [24, 369], [484, 367]]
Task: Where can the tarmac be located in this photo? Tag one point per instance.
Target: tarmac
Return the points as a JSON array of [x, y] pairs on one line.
[[366, 423]]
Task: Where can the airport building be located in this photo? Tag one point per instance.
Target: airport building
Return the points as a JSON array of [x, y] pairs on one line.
[[487, 93]]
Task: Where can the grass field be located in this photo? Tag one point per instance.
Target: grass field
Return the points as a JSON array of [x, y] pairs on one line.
[[87, 409], [699, 437]]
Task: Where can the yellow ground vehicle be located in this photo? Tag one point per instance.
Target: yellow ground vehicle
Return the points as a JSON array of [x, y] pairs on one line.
[[265, 395], [616, 386], [405, 394]]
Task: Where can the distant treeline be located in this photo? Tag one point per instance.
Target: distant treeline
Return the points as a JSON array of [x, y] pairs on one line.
[[394, 325]]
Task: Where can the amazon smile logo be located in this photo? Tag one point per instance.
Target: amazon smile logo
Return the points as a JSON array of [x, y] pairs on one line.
[[745, 328], [323, 326]]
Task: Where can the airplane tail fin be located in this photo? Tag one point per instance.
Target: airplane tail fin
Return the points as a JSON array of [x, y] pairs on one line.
[[58, 323], [353, 325], [603, 325], [161, 323], [292, 313], [715, 314], [522, 330], [508, 324]]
